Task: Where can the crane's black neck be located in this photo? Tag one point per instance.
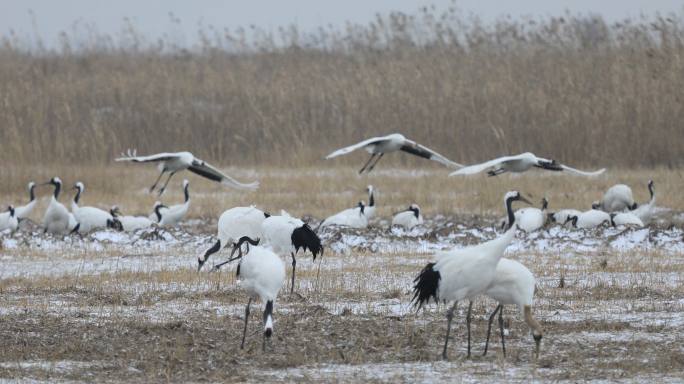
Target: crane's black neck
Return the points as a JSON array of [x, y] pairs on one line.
[[58, 188], [362, 207], [78, 195], [32, 194], [268, 311], [416, 212], [371, 199], [509, 210], [545, 204], [11, 211], [187, 193], [157, 211], [246, 239], [650, 189]]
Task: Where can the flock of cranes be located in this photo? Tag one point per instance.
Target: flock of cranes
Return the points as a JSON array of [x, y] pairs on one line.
[[262, 240]]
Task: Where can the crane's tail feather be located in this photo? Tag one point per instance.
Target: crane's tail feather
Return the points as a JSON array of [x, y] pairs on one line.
[[426, 286], [305, 237]]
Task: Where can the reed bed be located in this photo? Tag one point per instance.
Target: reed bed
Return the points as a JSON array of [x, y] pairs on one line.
[[573, 87]]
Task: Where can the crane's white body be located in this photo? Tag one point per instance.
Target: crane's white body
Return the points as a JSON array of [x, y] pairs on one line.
[[262, 273], [409, 218], [592, 219], [91, 218], [88, 218], [177, 161], [646, 211], [616, 199], [23, 212], [352, 217], [57, 219], [628, 219], [378, 146], [562, 215], [134, 223], [234, 224], [277, 233], [286, 235], [175, 213], [237, 222], [513, 284], [8, 220], [519, 163], [467, 272], [531, 219]]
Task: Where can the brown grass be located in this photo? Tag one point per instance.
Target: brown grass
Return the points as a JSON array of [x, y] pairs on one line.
[[574, 88], [324, 190]]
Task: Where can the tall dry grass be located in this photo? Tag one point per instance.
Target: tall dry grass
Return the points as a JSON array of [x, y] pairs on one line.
[[574, 87]]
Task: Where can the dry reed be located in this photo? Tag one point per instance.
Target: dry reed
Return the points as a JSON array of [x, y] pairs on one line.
[[574, 87]]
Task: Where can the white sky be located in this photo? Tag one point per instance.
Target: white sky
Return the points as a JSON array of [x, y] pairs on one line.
[[151, 17]]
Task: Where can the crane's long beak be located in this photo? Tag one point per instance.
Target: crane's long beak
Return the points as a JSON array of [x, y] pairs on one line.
[[523, 199]]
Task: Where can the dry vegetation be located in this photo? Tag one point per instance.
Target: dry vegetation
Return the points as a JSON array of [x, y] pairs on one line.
[[320, 192], [575, 88], [572, 87]]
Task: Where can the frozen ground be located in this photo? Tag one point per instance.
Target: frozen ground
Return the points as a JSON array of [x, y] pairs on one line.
[[121, 307]]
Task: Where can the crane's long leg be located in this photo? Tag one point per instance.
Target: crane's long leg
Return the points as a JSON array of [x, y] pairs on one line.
[[489, 328], [244, 331], [367, 162], [375, 162], [318, 273], [161, 191], [450, 316], [263, 343], [470, 310], [496, 172], [294, 265], [501, 330], [157, 181]]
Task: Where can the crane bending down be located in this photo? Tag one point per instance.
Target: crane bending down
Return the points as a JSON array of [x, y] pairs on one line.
[[287, 234], [178, 161], [378, 146], [262, 274], [513, 284]]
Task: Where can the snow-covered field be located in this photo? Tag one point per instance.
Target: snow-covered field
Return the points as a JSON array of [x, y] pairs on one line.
[[132, 307]]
